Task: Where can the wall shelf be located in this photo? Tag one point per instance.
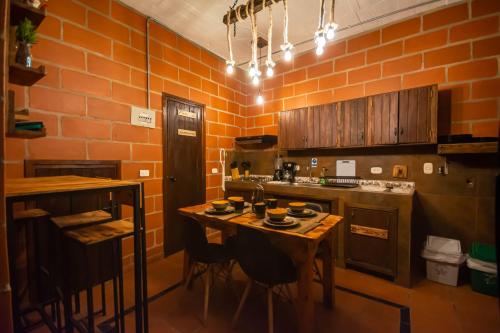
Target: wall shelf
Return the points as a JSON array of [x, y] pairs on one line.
[[468, 148], [19, 10], [25, 76], [25, 134], [12, 131]]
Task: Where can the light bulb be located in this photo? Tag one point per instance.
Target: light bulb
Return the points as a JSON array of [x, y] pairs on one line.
[[288, 55], [230, 69], [321, 41], [270, 71], [260, 99], [330, 33], [255, 80], [252, 72], [319, 51]]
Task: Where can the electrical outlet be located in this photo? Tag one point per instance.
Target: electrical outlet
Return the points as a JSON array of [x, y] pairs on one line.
[[376, 170], [400, 171], [215, 170], [144, 173], [428, 168]]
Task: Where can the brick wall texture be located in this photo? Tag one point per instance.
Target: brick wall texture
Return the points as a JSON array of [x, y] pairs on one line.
[[94, 51]]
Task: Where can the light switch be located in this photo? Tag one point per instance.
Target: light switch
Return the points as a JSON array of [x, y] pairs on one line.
[[428, 168], [215, 170], [144, 173]]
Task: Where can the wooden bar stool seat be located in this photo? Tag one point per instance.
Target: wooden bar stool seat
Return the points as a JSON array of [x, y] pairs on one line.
[[94, 256], [82, 219]]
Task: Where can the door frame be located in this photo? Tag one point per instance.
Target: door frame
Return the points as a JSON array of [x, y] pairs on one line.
[[165, 99]]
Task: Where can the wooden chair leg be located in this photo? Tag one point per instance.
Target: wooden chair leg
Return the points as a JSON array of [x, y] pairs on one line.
[[207, 293], [270, 316], [317, 272], [242, 302], [189, 276]]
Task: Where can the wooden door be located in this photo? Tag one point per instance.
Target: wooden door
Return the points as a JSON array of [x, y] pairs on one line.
[[322, 126], [184, 165], [293, 129], [371, 238], [382, 122], [351, 119], [418, 115]]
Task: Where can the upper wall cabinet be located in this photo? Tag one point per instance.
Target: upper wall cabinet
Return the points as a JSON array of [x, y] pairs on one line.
[[383, 119], [351, 117], [404, 117], [418, 115]]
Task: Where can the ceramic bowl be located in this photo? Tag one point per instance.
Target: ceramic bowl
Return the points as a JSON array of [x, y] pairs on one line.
[[277, 214], [220, 204], [233, 199], [297, 207]]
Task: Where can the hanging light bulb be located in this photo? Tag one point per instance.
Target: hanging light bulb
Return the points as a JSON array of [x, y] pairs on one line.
[[330, 30], [319, 51], [255, 80], [287, 51], [270, 68], [320, 38], [320, 35], [260, 99], [252, 71], [229, 67], [286, 47]]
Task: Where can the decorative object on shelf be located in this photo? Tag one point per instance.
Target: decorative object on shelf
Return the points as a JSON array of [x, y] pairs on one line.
[[25, 36], [18, 124], [21, 9], [34, 3]]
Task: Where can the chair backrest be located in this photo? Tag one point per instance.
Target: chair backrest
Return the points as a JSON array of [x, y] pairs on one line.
[[260, 259], [196, 239], [314, 206]]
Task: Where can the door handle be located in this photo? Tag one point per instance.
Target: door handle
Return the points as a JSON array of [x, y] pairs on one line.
[[172, 179]]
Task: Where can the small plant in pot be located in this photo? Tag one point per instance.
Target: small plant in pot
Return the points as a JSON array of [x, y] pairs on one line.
[[26, 36]]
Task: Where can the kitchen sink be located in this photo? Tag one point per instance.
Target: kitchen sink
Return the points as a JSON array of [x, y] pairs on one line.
[[277, 182]]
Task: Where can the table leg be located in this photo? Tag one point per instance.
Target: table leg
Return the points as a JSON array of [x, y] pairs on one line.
[[305, 300], [328, 271], [144, 263], [11, 246], [137, 260]]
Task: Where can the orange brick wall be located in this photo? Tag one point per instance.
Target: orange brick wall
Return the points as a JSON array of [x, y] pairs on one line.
[[457, 47], [94, 51]]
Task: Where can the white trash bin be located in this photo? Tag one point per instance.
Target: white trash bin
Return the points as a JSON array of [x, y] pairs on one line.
[[443, 259]]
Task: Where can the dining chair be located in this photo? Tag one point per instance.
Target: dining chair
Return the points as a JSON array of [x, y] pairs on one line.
[[317, 273], [209, 254], [264, 264]]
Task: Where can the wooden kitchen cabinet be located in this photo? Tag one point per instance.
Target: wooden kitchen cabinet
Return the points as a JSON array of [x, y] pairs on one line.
[[371, 238], [322, 126], [382, 122], [418, 115], [293, 129], [351, 120]]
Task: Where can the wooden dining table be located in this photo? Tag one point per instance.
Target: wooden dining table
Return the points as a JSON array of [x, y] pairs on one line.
[[302, 248], [25, 190]]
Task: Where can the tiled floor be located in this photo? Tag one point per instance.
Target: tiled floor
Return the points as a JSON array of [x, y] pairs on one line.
[[433, 307]]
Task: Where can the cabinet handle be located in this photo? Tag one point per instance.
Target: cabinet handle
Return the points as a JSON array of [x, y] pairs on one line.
[[395, 131], [362, 135], [401, 131]]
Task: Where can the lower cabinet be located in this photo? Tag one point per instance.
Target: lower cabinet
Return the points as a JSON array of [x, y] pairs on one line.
[[371, 238]]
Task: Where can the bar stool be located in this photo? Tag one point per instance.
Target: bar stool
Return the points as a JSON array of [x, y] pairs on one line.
[[88, 264], [59, 226]]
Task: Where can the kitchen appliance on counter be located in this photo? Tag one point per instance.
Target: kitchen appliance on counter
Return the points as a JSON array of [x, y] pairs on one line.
[[278, 168], [289, 171]]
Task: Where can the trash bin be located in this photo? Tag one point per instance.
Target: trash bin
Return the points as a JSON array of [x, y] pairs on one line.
[[483, 269], [443, 259]]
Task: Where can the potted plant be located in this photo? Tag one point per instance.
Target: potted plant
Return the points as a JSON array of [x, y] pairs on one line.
[[26, 36]]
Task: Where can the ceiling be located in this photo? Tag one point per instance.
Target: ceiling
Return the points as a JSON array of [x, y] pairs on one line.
[[201, 20]]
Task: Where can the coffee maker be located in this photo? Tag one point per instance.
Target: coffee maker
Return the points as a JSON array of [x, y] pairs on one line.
[[278, 168], [289, 171]]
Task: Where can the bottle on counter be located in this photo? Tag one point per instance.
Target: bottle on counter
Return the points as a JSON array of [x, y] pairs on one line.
[[235, 172]]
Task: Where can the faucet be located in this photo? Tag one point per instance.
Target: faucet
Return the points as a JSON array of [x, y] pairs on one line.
[[323, 172], [258, 194]]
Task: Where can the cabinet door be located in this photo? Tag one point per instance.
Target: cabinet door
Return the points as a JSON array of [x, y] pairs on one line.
[[371, 238], [293, 129], [418, 115], [351, 119], [383, 119], [322, 126], [284, 133]]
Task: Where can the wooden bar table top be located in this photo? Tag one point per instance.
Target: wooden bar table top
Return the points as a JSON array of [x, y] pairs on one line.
[[126, 192], [302, 248]]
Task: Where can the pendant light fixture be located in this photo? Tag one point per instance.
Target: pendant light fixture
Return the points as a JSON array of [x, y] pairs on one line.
[[320, 34], [286, 47], [253, 71], [269, 61], [262, 43], [229, 63], [331, 26]]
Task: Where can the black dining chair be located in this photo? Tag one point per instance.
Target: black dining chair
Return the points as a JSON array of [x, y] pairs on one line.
[[264, 264], [317, 273], [201, 252]]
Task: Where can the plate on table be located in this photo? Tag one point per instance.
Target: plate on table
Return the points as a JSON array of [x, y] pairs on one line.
[[213, 211], [305, 213], [286, 223]]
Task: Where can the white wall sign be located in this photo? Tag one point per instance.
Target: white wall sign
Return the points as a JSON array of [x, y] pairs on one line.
[[185, 132]]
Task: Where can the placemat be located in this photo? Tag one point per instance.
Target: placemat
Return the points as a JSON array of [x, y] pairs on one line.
[[306, 224], [228, 216]]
